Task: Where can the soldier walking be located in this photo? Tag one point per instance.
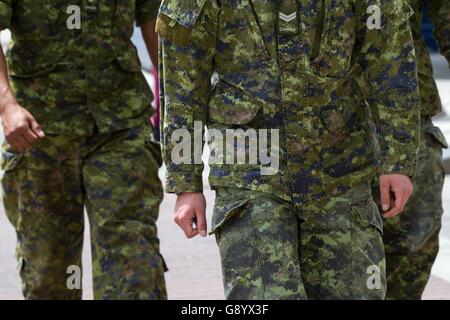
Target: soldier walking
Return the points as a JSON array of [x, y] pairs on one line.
[[75, 113], [310, 228]]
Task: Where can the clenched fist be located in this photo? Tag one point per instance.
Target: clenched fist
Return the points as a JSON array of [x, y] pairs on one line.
[[395, 190], [190, 214], [20, 128]]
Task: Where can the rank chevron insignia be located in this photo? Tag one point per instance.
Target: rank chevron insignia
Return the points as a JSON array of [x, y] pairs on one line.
[[288, 17]]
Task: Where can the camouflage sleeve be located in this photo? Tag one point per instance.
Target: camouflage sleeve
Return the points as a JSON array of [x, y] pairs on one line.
[[187, 31], [388, 63], [146, 10], [440, 16], [5, 14]]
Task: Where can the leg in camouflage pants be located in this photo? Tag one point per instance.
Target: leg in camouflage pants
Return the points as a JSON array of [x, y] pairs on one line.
[[271, 249], [115, 177], [412, 238]]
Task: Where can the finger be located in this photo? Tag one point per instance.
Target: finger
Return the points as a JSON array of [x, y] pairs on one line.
[[30, 137], [399, 205], [189, 229], [18, 144], [36, 128], [400, 199], [24, 140], [186, 223], [201, 223], [408, 193], [392, 213], [385, 194]]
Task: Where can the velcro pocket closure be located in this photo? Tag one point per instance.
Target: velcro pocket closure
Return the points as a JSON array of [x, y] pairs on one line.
[[438, 135], [231, 105], [177, 18]]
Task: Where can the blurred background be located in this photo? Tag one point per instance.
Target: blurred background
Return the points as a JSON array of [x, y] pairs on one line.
[[194, 265]]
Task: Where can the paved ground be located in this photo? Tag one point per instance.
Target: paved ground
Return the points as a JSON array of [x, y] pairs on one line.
[[195, 269]]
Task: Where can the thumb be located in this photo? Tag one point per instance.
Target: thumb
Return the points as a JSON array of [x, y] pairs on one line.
[[385, 195], [201, 222], [36, 127]]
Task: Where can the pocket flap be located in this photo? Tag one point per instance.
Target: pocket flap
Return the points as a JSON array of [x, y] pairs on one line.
[[24, 63], [177, 18], [231, 105], [398, 12], [129, 59], [224, 212], [184, 12], [10, 159], [370, 214], [438, 135]]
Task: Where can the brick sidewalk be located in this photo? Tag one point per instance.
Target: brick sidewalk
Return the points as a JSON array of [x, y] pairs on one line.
[[195, 265]]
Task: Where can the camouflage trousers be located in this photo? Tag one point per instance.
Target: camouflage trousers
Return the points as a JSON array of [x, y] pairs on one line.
[[412, 238], [271, 249], [115, 177]]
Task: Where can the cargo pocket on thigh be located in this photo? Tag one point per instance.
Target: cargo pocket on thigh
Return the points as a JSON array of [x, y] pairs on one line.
[[10, 159], [155, 151], [368, 257], [437, 134], [223, 212], [368, 215], [9, 163]]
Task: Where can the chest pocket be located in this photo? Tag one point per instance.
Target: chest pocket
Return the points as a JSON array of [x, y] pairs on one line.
[[337, 40], [37, 29], [39, 18]]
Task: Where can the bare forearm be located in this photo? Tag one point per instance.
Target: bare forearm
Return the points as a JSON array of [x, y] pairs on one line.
[[151, 41], [6, 94]]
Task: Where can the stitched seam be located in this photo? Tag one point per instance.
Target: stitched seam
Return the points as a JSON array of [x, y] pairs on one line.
[[258, 257]]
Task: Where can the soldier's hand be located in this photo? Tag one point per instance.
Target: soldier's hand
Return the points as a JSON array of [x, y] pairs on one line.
[[20, 128], [190, 214], [395, 190]]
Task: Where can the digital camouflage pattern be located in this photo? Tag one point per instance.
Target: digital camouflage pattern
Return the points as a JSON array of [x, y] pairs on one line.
[[439, 13], [272, 249], [64, 77], [301, 83], [412, 240], [86, 89], [302, 78], [115, 177]]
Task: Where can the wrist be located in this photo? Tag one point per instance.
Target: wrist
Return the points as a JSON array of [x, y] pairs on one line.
[[8, 102]]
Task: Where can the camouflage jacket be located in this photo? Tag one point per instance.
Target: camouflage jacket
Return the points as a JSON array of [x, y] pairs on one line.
[[68, 76], [290, 71], [439, 12]]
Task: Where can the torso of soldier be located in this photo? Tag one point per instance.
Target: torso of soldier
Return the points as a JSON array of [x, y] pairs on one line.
[[315, 93], [73, 66], [291, 65], [429, 95]]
